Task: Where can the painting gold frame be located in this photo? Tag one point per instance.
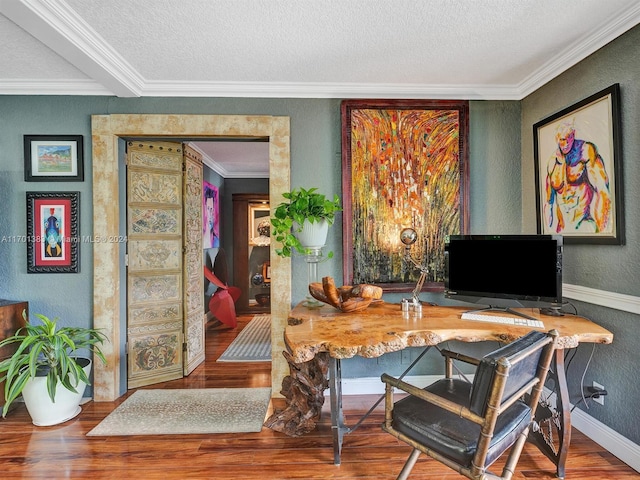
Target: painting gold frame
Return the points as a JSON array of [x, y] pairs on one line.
[[257, 213]]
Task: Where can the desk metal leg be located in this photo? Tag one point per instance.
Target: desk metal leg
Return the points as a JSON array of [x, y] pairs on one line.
[[338, 429], [552, 431]]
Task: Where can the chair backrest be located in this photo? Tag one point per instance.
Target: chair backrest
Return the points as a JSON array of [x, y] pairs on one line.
[[522, 358]]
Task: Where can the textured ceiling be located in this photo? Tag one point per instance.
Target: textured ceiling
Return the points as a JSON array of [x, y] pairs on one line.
[[494, 49], [471, 49]]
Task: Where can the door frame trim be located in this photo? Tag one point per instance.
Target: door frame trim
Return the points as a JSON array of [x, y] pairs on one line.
[[106, 131]]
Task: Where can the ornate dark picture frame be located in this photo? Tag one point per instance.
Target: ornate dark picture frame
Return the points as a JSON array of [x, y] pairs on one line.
[[53, 158], [53, 241], [578, 171], [405, 164]]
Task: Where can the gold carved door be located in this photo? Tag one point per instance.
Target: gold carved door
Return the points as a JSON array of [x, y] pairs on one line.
[[154, 262], [193, 274]]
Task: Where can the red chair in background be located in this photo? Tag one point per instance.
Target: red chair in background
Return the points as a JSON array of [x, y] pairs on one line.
[[222, 303]]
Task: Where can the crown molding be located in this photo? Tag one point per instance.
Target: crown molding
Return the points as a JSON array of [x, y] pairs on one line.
[[263, 90], [60, 28], [223, 172], [329, 90], [52, 87], [581, 49]]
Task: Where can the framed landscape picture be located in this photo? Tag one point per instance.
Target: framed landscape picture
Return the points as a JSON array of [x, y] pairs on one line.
[[578, 171], [404, 165], [50, 158]]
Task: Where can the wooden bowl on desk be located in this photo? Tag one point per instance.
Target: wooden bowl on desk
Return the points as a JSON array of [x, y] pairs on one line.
[[347, 299]]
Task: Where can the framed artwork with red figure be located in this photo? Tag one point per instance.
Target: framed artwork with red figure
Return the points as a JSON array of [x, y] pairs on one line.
[[210, 216], [53, 232]]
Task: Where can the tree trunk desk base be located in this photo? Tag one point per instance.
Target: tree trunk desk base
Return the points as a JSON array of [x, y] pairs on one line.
[[303, 390], [317, 339]]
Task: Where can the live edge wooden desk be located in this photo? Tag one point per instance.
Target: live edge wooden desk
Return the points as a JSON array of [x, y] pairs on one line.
[[318, 339]]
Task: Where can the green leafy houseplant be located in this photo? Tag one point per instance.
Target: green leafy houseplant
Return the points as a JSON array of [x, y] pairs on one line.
[[289, 217], [47, 348]]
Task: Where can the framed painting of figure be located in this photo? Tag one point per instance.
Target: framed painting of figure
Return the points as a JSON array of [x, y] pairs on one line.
[[404, 165], [53, 232], [578, 170], [210, 216]]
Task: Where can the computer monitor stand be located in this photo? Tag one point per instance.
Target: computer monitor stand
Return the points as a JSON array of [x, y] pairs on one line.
[[508, 310], [553, 311]]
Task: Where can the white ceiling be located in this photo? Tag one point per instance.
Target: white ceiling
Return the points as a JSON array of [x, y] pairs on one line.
[[236, 159], [469, 49]]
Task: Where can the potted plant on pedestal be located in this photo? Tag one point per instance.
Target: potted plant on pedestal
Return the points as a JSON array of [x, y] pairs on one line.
[[302, 223], [46, 370]]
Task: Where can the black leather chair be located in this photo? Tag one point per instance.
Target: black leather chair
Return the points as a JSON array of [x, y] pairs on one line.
[[467, 426]]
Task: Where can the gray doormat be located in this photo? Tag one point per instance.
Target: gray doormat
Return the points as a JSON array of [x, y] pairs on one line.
[[188, 411]]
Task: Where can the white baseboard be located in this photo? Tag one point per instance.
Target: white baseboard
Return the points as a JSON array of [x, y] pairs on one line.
[[609, 439], [374, 386], [618, 301]]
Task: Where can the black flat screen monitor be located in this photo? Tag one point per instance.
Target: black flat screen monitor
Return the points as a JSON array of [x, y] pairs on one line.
[[504, 271]]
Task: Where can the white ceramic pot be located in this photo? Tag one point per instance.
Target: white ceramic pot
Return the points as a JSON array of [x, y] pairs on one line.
[[313, 235], [43, 411]]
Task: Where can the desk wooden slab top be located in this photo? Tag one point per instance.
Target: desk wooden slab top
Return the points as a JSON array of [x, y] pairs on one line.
[[382, 328]]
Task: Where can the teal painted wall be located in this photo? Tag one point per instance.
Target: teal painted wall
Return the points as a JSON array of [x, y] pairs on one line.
[[612, 268]]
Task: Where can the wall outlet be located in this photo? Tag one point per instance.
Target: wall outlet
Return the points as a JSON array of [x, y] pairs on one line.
[[600, 399]]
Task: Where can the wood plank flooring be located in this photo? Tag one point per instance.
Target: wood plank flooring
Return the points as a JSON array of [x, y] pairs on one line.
[[64, 451]]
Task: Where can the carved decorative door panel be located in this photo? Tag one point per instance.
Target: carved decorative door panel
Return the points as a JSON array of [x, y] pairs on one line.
[[154, 262], [193, 274]]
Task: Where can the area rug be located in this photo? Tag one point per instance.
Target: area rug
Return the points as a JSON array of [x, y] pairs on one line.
[[188, 411], [253, 343]]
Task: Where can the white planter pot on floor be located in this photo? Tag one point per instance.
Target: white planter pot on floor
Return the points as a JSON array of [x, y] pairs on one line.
[[42, 410]]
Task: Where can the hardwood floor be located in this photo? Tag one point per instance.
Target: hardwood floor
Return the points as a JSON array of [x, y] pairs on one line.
[[64, 451]]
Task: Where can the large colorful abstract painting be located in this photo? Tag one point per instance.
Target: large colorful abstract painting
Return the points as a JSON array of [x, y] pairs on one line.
[[210, 216], [405, 165]]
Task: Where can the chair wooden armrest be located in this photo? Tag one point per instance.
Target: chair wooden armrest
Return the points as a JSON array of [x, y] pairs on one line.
[[450, 356], [453, 407]]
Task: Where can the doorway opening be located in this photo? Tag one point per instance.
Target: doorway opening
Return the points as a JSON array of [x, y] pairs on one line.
[[107, 131]]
